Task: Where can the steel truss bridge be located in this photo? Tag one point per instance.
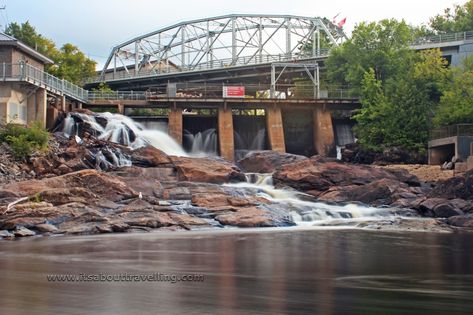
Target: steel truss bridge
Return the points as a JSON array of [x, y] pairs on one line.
[[219, 48]]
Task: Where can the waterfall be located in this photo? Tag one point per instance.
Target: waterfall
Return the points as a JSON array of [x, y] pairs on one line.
[[120, 129], [304, 209], [203, 143], [249, 142]]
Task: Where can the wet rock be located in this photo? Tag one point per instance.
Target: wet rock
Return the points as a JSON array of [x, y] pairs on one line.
[[46, 228], [316, 175], [379, 192], [246, 217], [207, 170], [78, 229], [149, 156], [428, 205], [460, 187], [6, 234], [446, 210], [401, 224], [104, 228], [461, 220], [23, 232], [119, 226], [267, 161], [463, 205]]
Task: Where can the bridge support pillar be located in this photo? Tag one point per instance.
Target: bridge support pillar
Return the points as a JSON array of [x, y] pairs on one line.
[[36, 107], [175, 124], [275, 129], [121, 109], [324, 137], [63, 103], [225, 134]]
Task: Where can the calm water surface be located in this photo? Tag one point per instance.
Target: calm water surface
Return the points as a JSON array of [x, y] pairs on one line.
[[276, 271]]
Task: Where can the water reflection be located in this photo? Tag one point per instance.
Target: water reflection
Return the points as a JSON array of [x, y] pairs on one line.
[[264, 272]]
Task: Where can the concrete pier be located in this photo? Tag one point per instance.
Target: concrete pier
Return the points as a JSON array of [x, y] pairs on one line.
[[275, 129], [225, 133], [175, 124], [324, 138]]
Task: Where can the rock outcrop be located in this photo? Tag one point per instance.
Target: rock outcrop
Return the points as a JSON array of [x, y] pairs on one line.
[[206, 170], [267, 161]]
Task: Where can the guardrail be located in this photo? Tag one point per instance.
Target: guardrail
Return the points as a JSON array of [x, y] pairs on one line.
[[452, 131], [443, 38], [257, 91], [28, 73], [166, 68]]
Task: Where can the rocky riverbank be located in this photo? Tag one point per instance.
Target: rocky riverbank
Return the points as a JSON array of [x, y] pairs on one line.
[[87, 185]]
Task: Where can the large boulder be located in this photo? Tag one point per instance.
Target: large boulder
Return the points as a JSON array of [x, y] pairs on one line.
[[461, 220], [149, 156], [207, 170], [317, 175], [460, 187], [380, 192], [267, 161]]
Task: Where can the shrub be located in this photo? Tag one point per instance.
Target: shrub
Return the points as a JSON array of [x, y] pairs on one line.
[[23, 140]]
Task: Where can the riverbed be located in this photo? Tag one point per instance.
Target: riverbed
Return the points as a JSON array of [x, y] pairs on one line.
[[257, 271]]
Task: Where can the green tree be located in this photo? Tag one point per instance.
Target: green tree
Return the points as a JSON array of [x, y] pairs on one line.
[[379, 46], [456, 104], [459, 18], [70, 63], [397, 112]]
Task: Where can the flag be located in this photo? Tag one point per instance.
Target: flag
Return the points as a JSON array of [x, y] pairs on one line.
[[342, 22]]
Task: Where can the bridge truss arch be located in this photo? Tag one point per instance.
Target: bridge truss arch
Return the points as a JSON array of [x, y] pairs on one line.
[[223, 41]]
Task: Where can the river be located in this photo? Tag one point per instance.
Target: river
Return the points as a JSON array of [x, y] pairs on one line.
[[256, 271]]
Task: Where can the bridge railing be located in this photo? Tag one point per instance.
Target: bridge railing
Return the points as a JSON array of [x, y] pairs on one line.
[[215, 91], [443, 38], [452, 131], [28, 73], [166, 68]]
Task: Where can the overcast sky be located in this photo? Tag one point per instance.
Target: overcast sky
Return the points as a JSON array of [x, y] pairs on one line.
[[98, 25]]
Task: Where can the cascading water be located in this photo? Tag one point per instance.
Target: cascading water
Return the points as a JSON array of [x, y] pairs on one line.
[[204, 143], [123, 130], [248, 142], [305, 210]]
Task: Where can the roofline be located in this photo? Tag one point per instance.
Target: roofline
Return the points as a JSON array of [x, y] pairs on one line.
[[25, 48]]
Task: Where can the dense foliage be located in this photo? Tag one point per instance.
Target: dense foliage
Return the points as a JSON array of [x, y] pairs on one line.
[[456, 19], [69, 62], [23, 140], [456, 104], [399, 87]]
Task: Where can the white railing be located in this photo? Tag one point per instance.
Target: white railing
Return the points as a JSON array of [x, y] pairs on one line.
[[443, 38], [33, 75]]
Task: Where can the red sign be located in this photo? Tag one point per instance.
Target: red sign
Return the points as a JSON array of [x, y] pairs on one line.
[[234, 91]]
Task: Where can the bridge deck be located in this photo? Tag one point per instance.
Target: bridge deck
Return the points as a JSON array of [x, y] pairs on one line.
[[179, 102]]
